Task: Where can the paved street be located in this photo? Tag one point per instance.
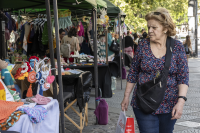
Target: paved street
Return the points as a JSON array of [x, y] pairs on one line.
[[189, 122]]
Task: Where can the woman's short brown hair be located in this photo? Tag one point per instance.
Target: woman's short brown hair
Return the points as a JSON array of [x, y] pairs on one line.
[[162, 15]]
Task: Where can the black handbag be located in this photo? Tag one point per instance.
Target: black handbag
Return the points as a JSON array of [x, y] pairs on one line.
[[114, 47], [149, 95]]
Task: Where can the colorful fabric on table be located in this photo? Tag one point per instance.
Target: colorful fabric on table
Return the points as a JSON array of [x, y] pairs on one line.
[[36, 114], [7, 108], [70, 59], [12, 119], [41, 99]]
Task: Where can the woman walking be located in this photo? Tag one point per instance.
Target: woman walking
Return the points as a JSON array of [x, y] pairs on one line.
[[188, 47], [148, 62]]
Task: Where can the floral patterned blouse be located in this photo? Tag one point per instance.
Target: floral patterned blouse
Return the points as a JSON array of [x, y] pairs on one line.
[[145, 66]]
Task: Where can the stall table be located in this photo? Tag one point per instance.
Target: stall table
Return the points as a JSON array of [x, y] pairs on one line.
[[104, 78], [49, 125]]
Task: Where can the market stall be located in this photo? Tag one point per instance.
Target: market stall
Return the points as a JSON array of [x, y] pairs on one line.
[[84, 5], [116, 15]]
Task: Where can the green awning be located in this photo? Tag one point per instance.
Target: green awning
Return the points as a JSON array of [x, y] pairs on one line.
[[101, 3], [92, 2], [40, 4], [112, 10]]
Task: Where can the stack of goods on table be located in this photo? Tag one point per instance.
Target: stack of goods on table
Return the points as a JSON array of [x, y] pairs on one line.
[[12, 107]]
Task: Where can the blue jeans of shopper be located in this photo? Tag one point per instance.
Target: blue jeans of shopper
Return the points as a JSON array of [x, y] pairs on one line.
[[148, 123]]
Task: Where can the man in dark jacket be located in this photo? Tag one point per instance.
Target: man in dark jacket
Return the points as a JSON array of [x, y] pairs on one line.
[[144, 35]]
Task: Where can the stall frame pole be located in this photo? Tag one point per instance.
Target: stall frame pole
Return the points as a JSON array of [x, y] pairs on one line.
[[120, 48], [123, 45], [106, 37], [1, 39], [55, 9], [196, 28], [51, 51], [94, 22]]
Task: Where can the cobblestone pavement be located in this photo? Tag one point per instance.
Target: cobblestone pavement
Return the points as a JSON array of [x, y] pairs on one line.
[[189, 122]]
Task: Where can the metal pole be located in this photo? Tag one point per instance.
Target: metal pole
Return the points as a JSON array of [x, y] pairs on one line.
[[48, 12], [95, 57], [196, 29], [55, 9], [123, 46], [120, 49], [4, 42], [106, 33], [1, 40]]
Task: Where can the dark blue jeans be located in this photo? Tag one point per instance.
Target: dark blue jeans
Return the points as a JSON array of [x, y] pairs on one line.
[[149, 123]]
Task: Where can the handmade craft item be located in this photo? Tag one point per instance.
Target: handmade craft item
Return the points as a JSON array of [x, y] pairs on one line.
[[5, 74], [31, 79]]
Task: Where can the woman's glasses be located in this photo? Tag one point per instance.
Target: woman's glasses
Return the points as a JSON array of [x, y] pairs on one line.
[[156, 13]]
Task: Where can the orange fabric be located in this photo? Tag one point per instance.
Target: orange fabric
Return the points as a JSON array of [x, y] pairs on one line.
[[29, 92], [11, 73], [1, 86], [7, 108], [18, 73], [32, 77]]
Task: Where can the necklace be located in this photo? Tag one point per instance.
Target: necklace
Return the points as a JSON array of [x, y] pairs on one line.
[[160, 48]]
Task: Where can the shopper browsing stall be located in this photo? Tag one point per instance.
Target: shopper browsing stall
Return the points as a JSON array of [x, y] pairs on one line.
[[61, 34], [71, 39]]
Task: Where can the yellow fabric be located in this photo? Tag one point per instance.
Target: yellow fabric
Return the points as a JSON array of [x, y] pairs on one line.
[[11, 73], [54, 43], [23, 77], [3, 94], [64, 13]]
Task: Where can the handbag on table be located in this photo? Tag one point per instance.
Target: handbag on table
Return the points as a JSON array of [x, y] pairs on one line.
[[150, 94]]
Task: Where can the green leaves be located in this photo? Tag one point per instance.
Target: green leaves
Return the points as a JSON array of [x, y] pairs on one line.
[[133, 9]]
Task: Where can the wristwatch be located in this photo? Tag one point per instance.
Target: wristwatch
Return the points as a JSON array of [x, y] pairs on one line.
[[183, 97]]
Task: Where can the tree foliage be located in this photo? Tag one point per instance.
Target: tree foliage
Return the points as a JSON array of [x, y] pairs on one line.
[[137, 9]]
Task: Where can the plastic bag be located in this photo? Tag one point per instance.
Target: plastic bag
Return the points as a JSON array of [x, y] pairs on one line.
[[125, 124], [121, 123]]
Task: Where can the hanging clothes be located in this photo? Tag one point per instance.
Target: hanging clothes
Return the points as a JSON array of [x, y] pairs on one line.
[[27, 29], [85, 48], [22, 33], [109, 44], [9, 23], [45, 35], [80, 29]]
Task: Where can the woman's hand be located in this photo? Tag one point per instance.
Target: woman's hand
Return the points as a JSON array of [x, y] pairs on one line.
[[178, 109], [125, 103]]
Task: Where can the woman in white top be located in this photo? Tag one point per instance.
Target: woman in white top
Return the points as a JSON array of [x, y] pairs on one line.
[[73, 41]]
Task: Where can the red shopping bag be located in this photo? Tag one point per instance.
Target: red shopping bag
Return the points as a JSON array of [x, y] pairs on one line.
[[130, 128], [125, 124]]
